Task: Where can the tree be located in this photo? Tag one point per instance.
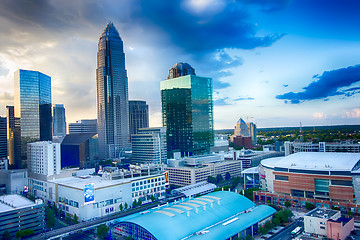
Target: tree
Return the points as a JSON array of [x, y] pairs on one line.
[[75, 219], [249, 192], [236, 181], [276, 221], [152, 198], [121, 207], [139, 202], [55, 209], [134, 203], [212, 180], [126, 206], [6, 235], [269, 225], [248, 237], [227, 176], [49, 218], [219, 178], [263, 230], [287, 204], [102, 231], [24, 233], [309, 206]]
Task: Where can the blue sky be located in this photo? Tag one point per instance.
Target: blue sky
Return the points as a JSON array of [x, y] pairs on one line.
[[275, 62]]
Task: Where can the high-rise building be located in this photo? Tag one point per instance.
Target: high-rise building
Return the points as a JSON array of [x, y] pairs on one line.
[[187, 111], [112, 94], [59, 120], [83, 126], [3, 138], [252, 132], [13, 138], [32, 98], [138, 116], [149, 145], [44, 158], [241, 128]]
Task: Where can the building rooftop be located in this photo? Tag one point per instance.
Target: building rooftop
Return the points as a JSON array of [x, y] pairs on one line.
[[217, 215], [253, 170], [77, 138], [194, 189], [322, 213], [13, 201], [325, 161]]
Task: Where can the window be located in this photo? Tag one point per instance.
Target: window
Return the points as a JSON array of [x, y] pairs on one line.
[[341, 183], [282, 178], [321, 227]]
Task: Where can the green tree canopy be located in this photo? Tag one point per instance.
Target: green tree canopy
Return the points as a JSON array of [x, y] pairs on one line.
[[102, 231]]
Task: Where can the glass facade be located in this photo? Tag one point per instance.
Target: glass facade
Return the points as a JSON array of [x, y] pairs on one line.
[[59, 120], [138, 116], [13, 137], [32, 98], [187, 113], [112, 94]]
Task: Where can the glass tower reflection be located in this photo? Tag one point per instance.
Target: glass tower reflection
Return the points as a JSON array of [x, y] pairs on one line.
[[187, 111], [112, 94]]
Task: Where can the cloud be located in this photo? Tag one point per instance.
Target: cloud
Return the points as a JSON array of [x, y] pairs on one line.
[[319, 115], [330, 83], [221, 101], [354, 113], [6, 96], [285, 85], [244, 98]]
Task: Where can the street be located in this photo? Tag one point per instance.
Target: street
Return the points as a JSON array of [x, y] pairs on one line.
[[285, 234]]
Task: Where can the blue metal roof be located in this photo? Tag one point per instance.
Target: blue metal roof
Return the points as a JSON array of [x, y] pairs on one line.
[[181, 219]]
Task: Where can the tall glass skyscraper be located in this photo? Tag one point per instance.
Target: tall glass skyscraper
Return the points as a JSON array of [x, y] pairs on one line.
[[187, 111], [138, 116], [32, 98], [59, 120], [112, 94]]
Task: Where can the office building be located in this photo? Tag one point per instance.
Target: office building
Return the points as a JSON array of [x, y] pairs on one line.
[[218, 215], [3, 138], [112, 95], [191, 170], [13, 138], [44, 158], [241, 128], [19, 213], [83, 126], [59, 120], [252, 132], [187, 111], [80, 150], [138, 116], [4, 164], [342, 146], [32, 98], [149, 146]]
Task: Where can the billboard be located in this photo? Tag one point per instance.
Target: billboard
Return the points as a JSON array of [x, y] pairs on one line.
[[89, 193]]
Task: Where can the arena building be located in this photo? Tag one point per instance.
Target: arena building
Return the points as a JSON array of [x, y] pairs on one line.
[[217, 215], [326, 179]]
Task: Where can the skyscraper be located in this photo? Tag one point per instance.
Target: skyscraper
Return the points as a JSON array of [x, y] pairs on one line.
[[138, 116], [32, 98], [112, 94], [187, 111], [59, 120], [83, 126], [3, 138], [13, 137]]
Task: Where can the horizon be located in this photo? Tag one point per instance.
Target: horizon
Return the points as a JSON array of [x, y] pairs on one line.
[[274, 63]]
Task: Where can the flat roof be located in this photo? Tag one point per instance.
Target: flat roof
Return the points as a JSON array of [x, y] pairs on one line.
[[253, 170], [325, 161], [322, 213], [99, 182], [219, 215], [14, 201]]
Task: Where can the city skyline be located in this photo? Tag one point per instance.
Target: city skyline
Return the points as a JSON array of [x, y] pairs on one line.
[[275, 63]]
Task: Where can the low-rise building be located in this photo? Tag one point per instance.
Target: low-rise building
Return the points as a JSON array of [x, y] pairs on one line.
[[19, 213], [199, 188], [191, 170], [328, 223], [14, 181], [44, 157]]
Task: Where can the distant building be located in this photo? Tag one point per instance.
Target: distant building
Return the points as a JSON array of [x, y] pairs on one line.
[[80, 150], [245, 134], [138, 116], [13, 138], [59, 120], [19, 213], [242, 142], [4, 164], [149, 145], [343, 146], [3, 138], [187, 111], [191, 170], [44, 158], [83, 126], [221, 144], [218, 215], [192, 190], [252, 132], [241, 128], [328, 223]]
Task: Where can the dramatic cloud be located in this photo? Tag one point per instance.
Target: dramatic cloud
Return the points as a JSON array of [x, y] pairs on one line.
[[330, 83]]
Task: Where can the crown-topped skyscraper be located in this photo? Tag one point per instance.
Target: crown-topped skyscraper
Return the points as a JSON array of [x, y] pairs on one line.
[[112, 94]]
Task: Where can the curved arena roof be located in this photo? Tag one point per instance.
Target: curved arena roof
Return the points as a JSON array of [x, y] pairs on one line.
[[218, 215], [325, 161]]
